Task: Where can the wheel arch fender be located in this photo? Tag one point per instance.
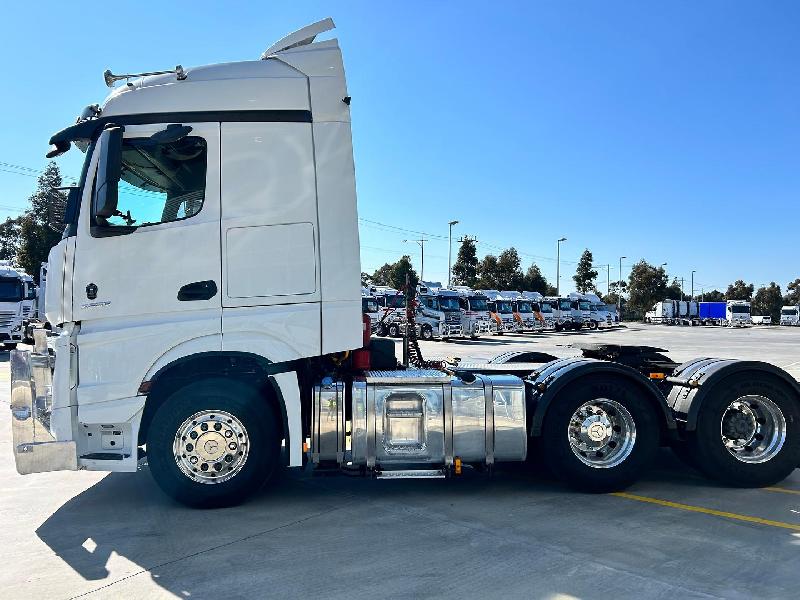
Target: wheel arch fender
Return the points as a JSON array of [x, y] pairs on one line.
[[549, 382], [277, 383], [695, 380]]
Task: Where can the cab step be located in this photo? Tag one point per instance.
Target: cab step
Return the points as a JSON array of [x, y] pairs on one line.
[[412, 474]]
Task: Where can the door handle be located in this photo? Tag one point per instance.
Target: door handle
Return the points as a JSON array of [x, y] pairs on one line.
[[199, 290]]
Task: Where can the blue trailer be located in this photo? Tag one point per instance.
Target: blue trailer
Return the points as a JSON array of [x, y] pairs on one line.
[[713, 313]]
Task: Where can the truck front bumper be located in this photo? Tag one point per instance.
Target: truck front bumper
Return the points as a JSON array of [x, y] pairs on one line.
[[35, 448]]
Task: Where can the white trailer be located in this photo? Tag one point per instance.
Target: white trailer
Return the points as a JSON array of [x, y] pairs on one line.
[[223, 361]]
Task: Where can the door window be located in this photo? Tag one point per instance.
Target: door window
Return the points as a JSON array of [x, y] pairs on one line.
[[159, 182]]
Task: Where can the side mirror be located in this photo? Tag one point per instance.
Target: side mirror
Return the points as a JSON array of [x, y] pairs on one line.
[[109, 170]]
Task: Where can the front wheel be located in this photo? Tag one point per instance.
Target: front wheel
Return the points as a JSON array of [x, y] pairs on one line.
[[748, 432], [427, 332], [599, 435], [394, 330], [213, 443]]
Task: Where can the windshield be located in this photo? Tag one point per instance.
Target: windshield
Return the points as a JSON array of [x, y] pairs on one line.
[[564, 305], [545, 307], [584, 304], [739, 309], [504, 307], [599, 307], [789, 311], [524, 307], [478, 303], [369, 305], [10, 289], [449, 303], [397, 301]]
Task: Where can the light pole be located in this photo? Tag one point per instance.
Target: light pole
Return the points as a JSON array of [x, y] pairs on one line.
[[450, 251], [558, 265], [692, 298], [619, 289], [421, 243]]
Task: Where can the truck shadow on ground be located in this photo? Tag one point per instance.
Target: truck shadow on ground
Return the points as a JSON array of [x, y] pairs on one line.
[[126, 515]]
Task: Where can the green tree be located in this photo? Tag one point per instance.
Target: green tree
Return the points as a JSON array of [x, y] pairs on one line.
[[382, 275], [712, 296], [534, 281], [739, 290], [768, 301], [616, 289], [509, 271], [673, 291], [9, 239], [793, 293], [37, 227], [487, 273], [366, 279], [585, 275], [400, 270], [647, 285], [465, 269]]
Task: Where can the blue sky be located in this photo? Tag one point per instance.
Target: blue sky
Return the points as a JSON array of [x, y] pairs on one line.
[[668, 131]]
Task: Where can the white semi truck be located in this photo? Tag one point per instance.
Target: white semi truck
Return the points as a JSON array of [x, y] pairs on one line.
[[541, 310], [501, 313], [524, 318], [212, 321], [474, 311], [14, 301], [439, 313], [790, 315]]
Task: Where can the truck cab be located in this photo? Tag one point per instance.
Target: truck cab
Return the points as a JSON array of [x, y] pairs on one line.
[[524, 318], [13, 294], [474, 312], [438, 313], [599, 316], [737, 313], [501, 313], [542, 312], [392, 306], [582, 307], [790, 315], [370, 307]]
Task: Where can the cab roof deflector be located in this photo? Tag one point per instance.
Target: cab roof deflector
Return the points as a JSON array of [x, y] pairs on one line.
[[301, 37]]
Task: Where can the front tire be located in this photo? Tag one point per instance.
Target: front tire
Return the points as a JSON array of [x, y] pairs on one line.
[[748, 432], [213, 443], [600, 434], [427, 332]]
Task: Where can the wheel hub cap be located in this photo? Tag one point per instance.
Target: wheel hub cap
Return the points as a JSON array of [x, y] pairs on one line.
[[601, 433], [211, 446], [753, 429]]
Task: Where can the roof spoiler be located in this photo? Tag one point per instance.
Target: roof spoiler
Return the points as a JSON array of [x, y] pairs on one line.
[[301, 37]]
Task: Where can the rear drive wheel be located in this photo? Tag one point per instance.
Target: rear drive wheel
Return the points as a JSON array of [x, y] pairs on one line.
[[381, 331], [213, 443], [600, 434], [747, 431], [394, 330]]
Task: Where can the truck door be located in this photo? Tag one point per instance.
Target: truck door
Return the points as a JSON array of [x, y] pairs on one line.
[[151, 270]]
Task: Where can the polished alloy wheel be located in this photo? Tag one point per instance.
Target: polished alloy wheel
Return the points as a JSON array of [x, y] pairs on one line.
[[753, 429], [601, 433], [211, 446]]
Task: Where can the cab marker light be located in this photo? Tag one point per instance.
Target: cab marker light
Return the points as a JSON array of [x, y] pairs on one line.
[[658, 375], [457, 465]]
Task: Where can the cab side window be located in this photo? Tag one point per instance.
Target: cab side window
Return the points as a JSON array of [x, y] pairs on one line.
[[159, 182]]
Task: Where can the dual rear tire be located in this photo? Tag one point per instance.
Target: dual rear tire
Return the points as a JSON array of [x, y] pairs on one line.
[[600, 434]]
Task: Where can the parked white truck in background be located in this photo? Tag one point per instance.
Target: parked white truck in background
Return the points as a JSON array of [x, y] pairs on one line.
[[439, 312], [501, 313], [737, 313], [371, 308], [225, 359], [599, 315], [474, 311], [674, 312], [542, 311], [13, 303], [524, 319], [790, 315]]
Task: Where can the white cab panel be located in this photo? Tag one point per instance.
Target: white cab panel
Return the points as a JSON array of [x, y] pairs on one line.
[[268, 180], [291, 270]]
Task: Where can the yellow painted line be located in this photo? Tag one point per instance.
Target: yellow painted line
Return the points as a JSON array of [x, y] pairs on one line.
[[781, 490], [708, 511]]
